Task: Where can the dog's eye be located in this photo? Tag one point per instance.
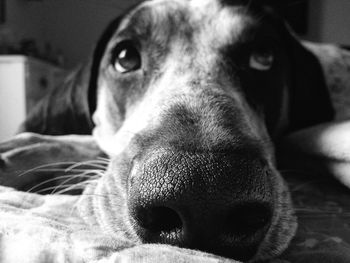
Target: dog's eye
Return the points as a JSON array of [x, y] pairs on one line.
[[126, 57], [261, 60]]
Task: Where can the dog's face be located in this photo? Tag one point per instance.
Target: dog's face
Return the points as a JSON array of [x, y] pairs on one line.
[[189, 95]]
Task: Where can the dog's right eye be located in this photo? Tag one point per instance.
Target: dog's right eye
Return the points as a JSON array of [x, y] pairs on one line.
[[126, 57]]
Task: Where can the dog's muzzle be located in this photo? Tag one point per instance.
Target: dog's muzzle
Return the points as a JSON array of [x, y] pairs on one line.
[[217, 202]]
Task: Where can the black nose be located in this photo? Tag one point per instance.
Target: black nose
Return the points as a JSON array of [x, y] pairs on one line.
[[203, 202]]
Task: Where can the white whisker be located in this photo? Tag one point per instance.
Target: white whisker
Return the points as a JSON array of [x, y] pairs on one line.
[[70, 176], [69, 187], [92, 174], [66, 188], [91, 163], [45, 166]]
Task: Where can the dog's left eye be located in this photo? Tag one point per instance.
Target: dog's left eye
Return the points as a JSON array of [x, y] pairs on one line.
[[261, 60], [126, 57]]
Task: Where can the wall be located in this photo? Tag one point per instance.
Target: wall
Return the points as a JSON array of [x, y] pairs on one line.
[[72, 26], [315, 20], [330, 21], [75, 25], [25, 19], [336, 21]]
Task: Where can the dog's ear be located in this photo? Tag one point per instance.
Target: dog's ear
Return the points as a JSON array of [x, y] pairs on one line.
[[309, 98], [67, 109], [96, 60], [309, 102]]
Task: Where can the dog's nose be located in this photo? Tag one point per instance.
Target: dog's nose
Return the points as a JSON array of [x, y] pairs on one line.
[[216, 203]]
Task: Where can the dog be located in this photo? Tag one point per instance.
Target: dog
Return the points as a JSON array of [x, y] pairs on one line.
[[192, 101]]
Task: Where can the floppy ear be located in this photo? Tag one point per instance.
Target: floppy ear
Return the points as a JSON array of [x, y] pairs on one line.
[[68, 108], [309, 97], [65, 109]]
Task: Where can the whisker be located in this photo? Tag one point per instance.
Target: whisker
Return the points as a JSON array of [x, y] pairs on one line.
[[74, 176], [45, 166], [91, 173], [101, 195], [66, 187], [70, 187], [91, 163], [96, 164], [59, 170], [97, 167], [103, 159]]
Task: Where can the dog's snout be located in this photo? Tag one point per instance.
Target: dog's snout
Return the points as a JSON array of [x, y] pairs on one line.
[[201, 201]]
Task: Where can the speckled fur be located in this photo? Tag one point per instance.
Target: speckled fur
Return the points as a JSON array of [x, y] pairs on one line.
[[190, 99]]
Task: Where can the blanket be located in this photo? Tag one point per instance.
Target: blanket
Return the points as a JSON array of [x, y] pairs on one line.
[[50, 228]]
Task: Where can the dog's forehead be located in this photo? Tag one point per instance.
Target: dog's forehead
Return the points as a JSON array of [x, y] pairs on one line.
[[212, 18]]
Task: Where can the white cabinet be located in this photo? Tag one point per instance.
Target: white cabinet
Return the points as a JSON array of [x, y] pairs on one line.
[[23, 82]]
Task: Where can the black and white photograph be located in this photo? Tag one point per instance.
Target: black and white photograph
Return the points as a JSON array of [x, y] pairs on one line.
[[180, 131]]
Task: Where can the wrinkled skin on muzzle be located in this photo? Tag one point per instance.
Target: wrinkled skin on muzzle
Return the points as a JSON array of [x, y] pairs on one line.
[[192, 163]]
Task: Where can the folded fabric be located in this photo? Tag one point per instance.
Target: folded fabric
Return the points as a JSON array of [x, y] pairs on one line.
[[43, 229]]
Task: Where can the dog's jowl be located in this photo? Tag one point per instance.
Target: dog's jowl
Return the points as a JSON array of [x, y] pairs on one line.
[[189, 95]]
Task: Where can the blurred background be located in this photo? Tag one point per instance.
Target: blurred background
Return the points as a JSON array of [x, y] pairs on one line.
[[40, 40]]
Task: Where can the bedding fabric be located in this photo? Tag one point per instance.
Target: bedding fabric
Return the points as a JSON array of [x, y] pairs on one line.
[[49, 228], [45, 229]]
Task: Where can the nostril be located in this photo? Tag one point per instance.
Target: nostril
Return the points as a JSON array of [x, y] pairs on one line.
[[158, 219], [247, 219]]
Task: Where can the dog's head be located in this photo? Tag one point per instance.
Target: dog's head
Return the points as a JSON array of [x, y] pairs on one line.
[[189, 95]]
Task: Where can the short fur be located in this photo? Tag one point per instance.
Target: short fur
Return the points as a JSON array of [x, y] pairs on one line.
[[195, 119]]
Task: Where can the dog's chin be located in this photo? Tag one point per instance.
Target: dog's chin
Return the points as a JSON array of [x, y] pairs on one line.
[[104, 205], [283, 226]]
